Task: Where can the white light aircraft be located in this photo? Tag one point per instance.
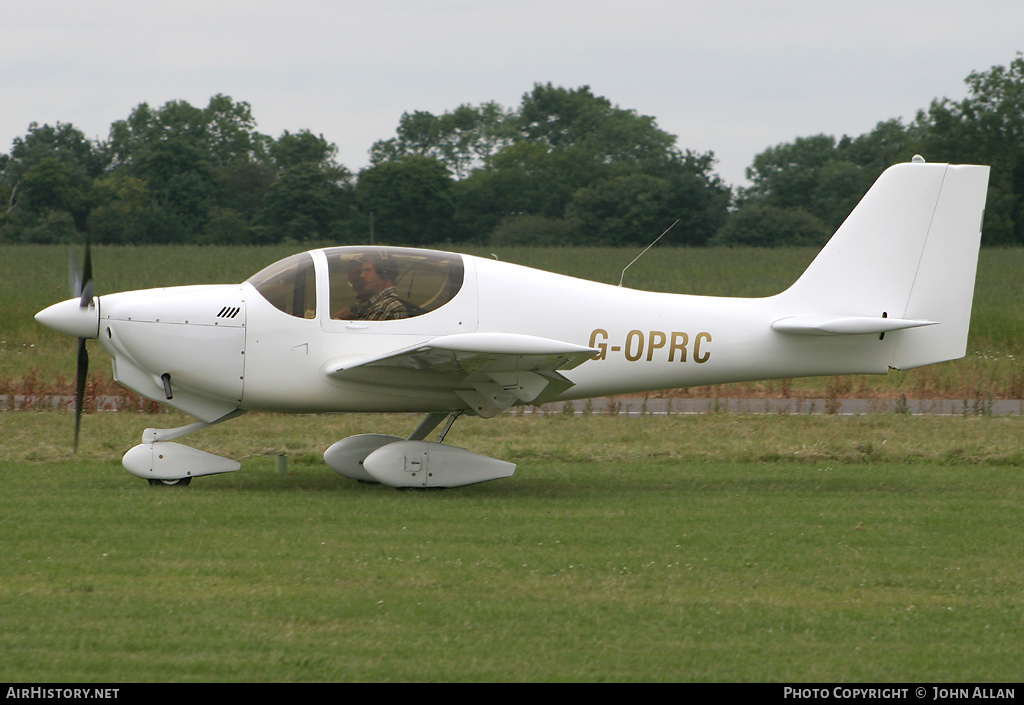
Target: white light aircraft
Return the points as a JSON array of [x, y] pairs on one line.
[[387, 329]]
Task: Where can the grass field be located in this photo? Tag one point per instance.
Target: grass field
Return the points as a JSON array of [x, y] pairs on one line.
[[33, 358], [713, 547], [766, 548]]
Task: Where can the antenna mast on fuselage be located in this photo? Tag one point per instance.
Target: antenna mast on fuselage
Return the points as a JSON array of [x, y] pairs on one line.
[[622, 276]]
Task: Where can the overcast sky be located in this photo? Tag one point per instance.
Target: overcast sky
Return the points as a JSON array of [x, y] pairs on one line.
[[731, 77]]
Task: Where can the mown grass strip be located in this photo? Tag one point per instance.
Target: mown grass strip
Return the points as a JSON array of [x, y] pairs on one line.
[[706, 548]]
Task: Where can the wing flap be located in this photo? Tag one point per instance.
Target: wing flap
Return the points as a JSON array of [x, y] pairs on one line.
[[472, 352], [489, 371]]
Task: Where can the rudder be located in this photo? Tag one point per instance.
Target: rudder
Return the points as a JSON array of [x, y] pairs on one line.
[[944, 286]]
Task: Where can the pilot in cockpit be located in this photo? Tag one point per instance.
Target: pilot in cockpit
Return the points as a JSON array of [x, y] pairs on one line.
[[373, 281]]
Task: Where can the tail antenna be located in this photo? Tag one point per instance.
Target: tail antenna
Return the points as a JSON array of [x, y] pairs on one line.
[[622, 276]]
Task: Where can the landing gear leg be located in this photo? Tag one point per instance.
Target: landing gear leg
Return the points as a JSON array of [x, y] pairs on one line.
[[448, 426], [433, 421], [428, 424]]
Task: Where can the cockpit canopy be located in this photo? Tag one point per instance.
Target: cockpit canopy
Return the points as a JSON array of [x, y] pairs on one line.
[[364, 283]]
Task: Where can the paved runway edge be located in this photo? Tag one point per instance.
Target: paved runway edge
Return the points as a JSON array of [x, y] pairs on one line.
[[640, 406]]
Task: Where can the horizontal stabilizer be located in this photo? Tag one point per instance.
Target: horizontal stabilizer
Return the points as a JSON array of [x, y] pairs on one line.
[[846, 325]]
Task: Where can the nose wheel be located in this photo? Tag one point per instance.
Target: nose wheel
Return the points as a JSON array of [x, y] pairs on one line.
[[182, 482]]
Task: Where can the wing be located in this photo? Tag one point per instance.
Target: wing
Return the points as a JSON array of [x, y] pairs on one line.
[[489, 371]]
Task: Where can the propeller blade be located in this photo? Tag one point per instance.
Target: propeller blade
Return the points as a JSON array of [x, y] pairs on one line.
[[74, 275], [80, 275], [87, 285], [83, 371], [81, 285]]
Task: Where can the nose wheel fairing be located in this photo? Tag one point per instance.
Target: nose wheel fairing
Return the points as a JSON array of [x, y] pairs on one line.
[[158, 460], [172, 461]]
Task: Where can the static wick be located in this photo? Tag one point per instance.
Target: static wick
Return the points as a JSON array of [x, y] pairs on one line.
[[623, 275]]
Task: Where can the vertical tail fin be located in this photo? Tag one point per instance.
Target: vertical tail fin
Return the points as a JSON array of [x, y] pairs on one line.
[[905, 261]]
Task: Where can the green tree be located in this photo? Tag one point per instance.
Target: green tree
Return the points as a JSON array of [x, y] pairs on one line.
[[307, 202], [47, 183], [176, 173], [808, 174], [189, 157], [567, 120], [230, 132], [461, 139], [819, 179], [541, 167], [986, 127], [407, 201], [310, 197], [303, 147], [242, 188], [569, 140], [126, 213], [765, 225], [635, 208], [523, 179], [534, 230]]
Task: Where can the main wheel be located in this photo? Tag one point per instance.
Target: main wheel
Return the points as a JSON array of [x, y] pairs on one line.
[[183, 482]]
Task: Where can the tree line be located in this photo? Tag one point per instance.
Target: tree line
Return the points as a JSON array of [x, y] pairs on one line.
[[565, 167]]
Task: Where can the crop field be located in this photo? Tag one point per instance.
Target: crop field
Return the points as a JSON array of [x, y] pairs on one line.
[[34, 359], [716, 547]]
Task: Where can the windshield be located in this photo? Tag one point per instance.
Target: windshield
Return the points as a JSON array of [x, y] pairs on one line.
[[290, 285], [384, 283]]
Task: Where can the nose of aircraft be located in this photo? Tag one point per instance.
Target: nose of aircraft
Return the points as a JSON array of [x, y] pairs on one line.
[[72, 318]]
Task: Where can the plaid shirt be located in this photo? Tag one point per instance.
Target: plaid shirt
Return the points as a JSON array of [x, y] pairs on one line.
[[385, 306]]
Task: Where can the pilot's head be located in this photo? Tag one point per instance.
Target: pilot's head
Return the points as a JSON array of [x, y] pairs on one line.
[[355, 277], [377, 273]]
